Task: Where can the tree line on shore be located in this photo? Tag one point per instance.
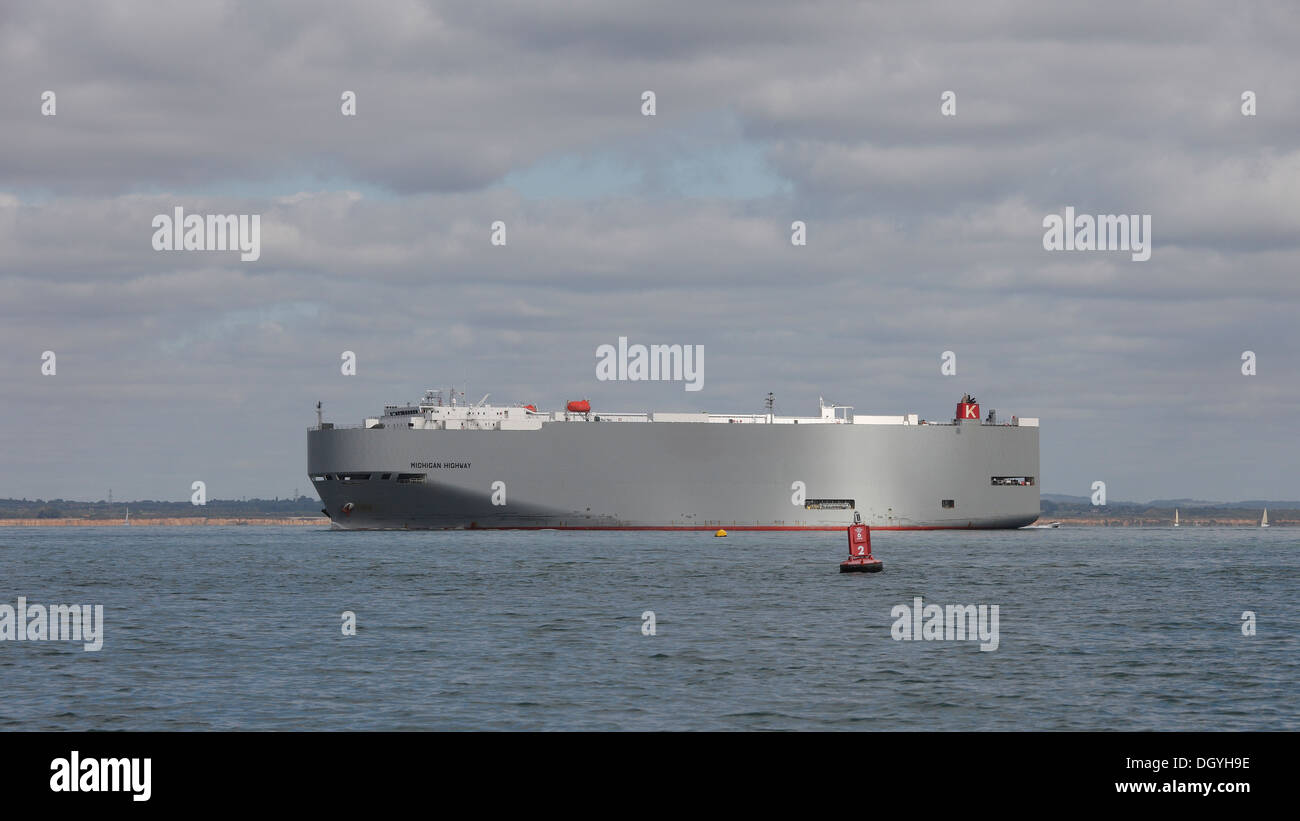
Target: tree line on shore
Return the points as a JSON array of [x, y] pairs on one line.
[[152, 509]]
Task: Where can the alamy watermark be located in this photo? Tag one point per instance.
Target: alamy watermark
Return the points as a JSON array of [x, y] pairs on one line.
[[211, 232], [57, 622], [955, 622], [77, 774], [636, 363], [1105, 232]]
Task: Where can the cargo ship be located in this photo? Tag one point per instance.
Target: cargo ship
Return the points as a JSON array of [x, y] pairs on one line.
[[444, 464]]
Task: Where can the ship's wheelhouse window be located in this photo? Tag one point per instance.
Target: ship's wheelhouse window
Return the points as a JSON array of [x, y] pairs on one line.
[[321, 478], [355, 477], [949, 503], [386, 477], [410, 478]]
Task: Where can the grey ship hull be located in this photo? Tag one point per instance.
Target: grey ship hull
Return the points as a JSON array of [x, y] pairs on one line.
[[655, 475]]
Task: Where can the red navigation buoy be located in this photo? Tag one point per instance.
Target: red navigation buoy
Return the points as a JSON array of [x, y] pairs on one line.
[[860, 558]]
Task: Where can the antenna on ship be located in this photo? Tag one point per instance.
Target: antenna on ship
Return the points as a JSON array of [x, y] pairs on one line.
[[319, 419], [770, 401]]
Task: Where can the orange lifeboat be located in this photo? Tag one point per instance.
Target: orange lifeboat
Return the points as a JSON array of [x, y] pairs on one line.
[[532, 408], [579, 406]]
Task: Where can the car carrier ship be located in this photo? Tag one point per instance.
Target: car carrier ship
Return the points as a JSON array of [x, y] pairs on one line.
[[450, 465]]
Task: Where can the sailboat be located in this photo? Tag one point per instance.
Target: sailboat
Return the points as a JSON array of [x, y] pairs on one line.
[[1264, 521], [1175, 517], [128, 517]]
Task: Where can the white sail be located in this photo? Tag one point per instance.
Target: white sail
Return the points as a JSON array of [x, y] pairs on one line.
[[1175, 517], [1264, 522]]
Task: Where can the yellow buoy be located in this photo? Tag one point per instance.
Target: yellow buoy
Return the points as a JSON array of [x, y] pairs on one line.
[[719, 534]]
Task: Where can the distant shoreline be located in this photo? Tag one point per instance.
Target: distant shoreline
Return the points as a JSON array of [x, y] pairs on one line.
[[294, 521], [321, 521], [1144, 521]]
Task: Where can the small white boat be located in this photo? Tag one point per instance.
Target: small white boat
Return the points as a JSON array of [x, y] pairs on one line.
[[1264, 521], [1047, 526], [1175, 517]]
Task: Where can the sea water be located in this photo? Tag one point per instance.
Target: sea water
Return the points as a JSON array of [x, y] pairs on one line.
[[208, 628]]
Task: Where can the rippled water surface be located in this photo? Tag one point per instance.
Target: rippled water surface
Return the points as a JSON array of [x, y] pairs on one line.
[[239, 628]]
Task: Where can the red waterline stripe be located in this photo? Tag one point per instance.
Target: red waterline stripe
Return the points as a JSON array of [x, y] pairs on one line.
[[712, 528]]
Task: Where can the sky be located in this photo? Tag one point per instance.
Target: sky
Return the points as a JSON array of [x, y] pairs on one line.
[[925, 231]]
